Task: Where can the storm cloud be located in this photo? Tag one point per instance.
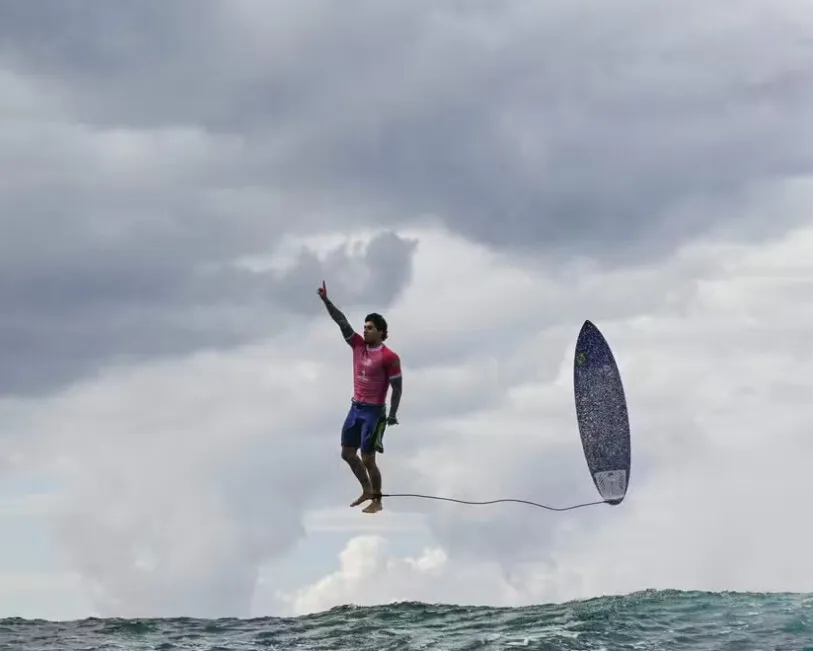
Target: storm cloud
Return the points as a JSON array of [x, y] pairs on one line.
[[148, 146]]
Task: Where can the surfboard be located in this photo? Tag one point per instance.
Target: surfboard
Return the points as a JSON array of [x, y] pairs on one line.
[[601, 413]]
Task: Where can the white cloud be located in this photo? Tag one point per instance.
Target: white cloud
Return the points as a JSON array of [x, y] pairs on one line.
[[370, 574], [343, 520], [43, 595]]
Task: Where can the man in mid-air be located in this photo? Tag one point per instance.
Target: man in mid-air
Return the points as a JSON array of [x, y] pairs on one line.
[[375, 368]]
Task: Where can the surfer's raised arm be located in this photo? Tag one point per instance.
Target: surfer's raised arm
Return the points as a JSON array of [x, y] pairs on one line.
[[336, 314]]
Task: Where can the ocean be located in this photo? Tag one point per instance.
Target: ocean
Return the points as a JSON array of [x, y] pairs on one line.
[[662, 620]]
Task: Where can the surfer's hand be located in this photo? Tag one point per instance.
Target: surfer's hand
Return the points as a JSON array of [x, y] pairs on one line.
[[322, 291], [392, 420]]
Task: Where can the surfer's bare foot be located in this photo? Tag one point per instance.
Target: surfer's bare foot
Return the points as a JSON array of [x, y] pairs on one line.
[[362, 498], [374, 507]]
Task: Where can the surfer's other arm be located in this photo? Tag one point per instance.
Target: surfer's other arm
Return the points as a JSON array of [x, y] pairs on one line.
[[397, 386]]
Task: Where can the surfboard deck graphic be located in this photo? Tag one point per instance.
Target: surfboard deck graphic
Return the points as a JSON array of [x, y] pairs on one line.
[[601, 413]]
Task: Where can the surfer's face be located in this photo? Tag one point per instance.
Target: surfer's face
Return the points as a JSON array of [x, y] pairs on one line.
[[372, 335]]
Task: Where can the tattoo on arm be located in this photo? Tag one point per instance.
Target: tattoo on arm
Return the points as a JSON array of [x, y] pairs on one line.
[[395, 400], [340, 319]]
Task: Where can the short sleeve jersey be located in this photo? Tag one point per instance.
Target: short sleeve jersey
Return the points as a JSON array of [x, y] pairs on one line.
[[373, 369]]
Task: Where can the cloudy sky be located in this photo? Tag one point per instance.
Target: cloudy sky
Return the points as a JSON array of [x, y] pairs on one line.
[[177, 179]]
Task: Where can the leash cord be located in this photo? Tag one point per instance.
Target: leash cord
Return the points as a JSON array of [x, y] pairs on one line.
[[452, 499]]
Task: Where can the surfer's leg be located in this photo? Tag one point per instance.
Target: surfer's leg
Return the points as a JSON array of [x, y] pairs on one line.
[[351, 441], [371, 436], [349, 454], [368, 459]]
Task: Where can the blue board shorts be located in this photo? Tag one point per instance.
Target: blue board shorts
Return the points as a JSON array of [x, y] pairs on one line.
[[364, 427]]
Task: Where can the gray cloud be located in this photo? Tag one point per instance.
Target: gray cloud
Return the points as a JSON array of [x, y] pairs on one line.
[[144, 153], [374, 275], [518, 126], [66, 319]]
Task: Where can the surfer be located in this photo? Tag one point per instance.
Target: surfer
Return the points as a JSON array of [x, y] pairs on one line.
[[375, 368]]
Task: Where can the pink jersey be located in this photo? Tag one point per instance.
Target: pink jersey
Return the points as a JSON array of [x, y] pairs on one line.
[[373, 368]]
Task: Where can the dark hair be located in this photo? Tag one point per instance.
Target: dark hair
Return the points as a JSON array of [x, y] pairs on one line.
[[379, 322]]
